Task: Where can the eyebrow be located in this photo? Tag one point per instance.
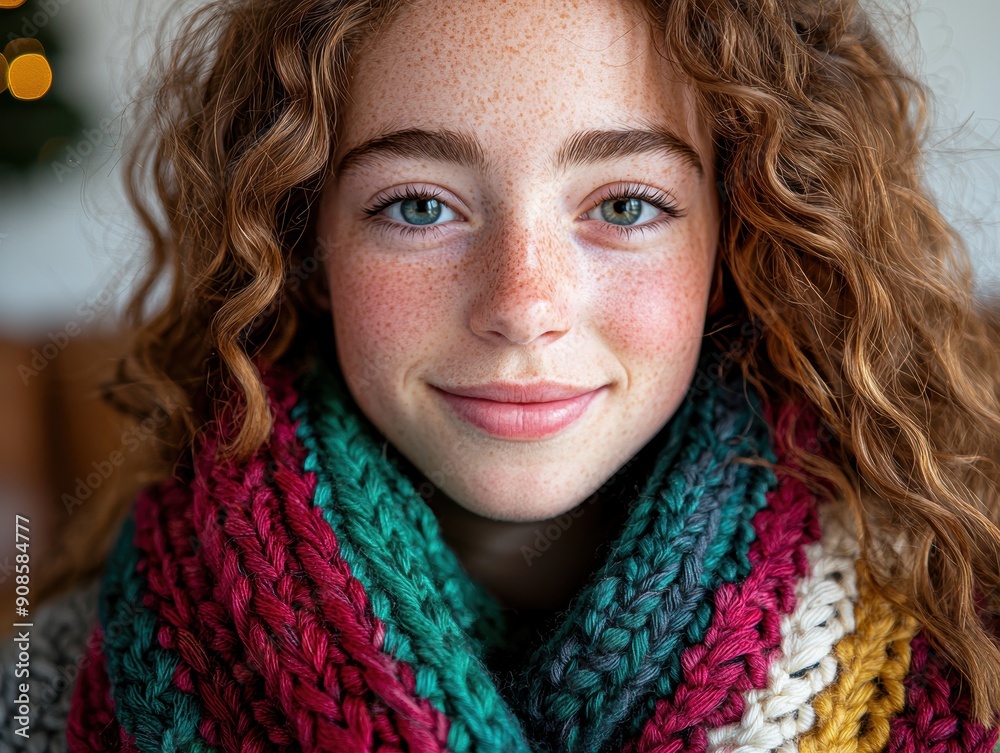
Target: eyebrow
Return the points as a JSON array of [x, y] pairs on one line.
[[463, 148]]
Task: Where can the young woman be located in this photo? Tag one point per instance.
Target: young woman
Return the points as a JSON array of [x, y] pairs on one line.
[[546, 376]]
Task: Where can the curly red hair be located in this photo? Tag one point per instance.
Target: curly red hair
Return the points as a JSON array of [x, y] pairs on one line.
[[853, 292]]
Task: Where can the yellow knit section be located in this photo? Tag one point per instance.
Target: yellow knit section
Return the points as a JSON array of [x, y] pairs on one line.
[[852, 714]]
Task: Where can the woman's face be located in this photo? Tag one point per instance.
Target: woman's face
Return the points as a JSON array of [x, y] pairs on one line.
[[527, 196]]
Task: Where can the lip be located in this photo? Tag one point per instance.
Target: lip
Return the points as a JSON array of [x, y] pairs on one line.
[[512, 392], [534, 419]]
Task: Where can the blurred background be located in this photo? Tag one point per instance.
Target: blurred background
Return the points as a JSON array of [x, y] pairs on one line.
[[69, 248]]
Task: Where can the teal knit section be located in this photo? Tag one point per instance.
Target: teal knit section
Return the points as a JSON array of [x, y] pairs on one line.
[[727, 557], [688, 532], [140, 671], [391, 540]]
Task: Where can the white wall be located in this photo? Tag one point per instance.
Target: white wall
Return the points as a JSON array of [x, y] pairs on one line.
[[956, 49], [66, 245]]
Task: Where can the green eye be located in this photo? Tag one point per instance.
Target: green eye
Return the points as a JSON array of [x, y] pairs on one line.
[[420, 211], [615, 210], [632, 208]]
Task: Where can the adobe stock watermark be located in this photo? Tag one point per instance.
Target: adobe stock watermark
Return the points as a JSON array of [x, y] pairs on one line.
[[30, 27], [131, 439], [6, 569], [300, 270], [67, 674], [556, 527], [552, 532], [76, 154], [296, 274], [58, 340]]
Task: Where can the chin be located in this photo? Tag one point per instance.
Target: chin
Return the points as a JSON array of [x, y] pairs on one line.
[[520, 508]]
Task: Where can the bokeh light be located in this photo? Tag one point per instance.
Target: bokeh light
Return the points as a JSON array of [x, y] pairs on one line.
[[28, 74]]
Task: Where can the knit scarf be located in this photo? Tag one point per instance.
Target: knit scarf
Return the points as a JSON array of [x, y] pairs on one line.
[[305, 600]]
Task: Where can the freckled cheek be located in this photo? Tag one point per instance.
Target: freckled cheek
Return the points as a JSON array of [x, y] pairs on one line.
[[656, 315], [384, 316]]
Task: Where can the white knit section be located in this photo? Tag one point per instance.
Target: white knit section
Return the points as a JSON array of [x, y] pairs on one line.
[[775, 716]]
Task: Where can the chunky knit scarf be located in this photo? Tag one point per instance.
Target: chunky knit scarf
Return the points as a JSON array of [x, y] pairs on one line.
[[306, 600]]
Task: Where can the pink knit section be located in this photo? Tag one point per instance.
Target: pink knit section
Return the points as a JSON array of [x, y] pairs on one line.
[[291, 657], [91, 726], [745, 633], [936, 718]]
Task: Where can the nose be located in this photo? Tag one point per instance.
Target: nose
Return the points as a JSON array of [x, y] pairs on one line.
[[529, 280]]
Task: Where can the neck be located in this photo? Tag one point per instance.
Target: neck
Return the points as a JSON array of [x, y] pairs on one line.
[[536, 564], [539, 564]]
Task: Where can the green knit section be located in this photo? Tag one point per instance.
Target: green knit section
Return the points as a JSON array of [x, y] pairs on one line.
[[140, 671], [473, 607], [662, 539], [693, 516], [727, 559], [392, 542]]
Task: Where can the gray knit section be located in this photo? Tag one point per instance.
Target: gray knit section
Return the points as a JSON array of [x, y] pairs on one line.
[[58, 641]]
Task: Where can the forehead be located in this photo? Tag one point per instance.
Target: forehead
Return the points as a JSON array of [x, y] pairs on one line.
[[521, 74]]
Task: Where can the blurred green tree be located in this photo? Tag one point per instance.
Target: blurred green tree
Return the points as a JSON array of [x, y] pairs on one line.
[[35, 132]]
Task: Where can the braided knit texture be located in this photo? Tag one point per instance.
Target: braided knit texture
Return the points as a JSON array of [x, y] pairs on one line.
[[744, 637], [91, 724], [620, 641], [775, 715], [935, 719], [853, 714], [622, 647], [306, 600]]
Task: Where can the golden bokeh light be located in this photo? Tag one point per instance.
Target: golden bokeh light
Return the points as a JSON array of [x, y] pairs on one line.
[[11, 3], [29, 76], [27, 72], [3, 74]]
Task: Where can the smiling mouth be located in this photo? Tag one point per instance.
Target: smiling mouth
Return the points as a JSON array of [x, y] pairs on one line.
[[508, 420]]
